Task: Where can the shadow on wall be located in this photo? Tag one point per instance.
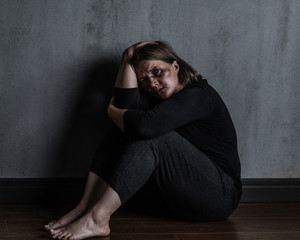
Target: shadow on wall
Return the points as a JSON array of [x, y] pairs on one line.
[[89, 121]]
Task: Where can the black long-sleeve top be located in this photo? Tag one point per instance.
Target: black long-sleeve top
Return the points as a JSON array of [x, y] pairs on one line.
[[197, 113]]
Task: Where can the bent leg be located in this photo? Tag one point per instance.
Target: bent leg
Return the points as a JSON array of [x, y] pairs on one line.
[[108, 153], [192, 186], [91, 216], [134, 168], [95, 185]]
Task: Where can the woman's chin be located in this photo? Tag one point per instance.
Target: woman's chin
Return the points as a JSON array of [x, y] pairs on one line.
[[161, 96], [164, 94]]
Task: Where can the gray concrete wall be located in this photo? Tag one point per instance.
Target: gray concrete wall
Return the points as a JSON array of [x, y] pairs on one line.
[[58, 61]]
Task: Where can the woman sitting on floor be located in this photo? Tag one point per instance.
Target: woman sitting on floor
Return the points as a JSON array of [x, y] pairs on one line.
[[172, 138]]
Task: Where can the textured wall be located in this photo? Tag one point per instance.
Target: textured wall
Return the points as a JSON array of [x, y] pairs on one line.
[[59, 59]]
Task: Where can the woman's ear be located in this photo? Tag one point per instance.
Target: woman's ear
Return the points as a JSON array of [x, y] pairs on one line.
[[175, 66]]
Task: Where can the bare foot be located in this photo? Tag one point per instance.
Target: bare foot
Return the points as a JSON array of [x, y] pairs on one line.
[[71, 216], [93, 191], [87, 226]]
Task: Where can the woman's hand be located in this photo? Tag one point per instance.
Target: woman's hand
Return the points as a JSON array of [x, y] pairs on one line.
[[128, 53], [116, 114], [111, 107]]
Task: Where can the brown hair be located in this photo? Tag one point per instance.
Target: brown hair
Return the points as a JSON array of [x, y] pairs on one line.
[[162, 51]]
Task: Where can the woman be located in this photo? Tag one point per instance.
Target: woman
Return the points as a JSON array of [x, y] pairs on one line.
[[177, 143]]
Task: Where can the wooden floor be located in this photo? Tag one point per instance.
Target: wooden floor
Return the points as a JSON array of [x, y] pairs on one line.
[[250, 221]]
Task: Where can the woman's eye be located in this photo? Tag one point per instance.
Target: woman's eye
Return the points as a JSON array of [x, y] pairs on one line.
[[156, 72]]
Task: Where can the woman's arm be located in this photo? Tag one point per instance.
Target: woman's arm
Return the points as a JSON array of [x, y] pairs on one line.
[[126, 86], [116, 114], [188, 105], [126, 77], [127, 94]]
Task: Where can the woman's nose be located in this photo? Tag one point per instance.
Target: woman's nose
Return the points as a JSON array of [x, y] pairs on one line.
[[153, 83]]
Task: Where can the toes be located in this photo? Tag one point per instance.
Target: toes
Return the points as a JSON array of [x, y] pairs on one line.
[[63, 236], [71, 237], [49, 225], [67, 236], [56, 233], [60, 236]]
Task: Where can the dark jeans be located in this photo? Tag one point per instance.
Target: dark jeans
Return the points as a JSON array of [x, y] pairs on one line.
[[171, 171]]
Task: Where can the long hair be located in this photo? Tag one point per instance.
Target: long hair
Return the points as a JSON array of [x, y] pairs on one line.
[[162, 51]]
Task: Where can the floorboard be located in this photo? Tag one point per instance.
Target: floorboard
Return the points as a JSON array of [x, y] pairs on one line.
[[260, 221]]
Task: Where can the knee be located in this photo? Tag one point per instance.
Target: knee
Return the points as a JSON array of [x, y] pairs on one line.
[[143, 149]]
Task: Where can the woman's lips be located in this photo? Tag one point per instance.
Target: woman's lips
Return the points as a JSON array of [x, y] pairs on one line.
[[159, 91]]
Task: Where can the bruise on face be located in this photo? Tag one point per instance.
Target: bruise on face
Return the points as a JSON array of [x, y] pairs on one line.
[[154, 71], [157, 77]]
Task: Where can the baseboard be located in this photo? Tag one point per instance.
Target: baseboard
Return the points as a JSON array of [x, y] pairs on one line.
[[271, 190], [69, 190], [41, 190]]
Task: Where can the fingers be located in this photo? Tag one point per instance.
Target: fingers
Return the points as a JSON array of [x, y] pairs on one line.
[[128, 53], [140, 44], [112, 101], [110, 107]]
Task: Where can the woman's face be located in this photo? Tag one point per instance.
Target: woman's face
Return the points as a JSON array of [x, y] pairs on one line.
[[159, 78]]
